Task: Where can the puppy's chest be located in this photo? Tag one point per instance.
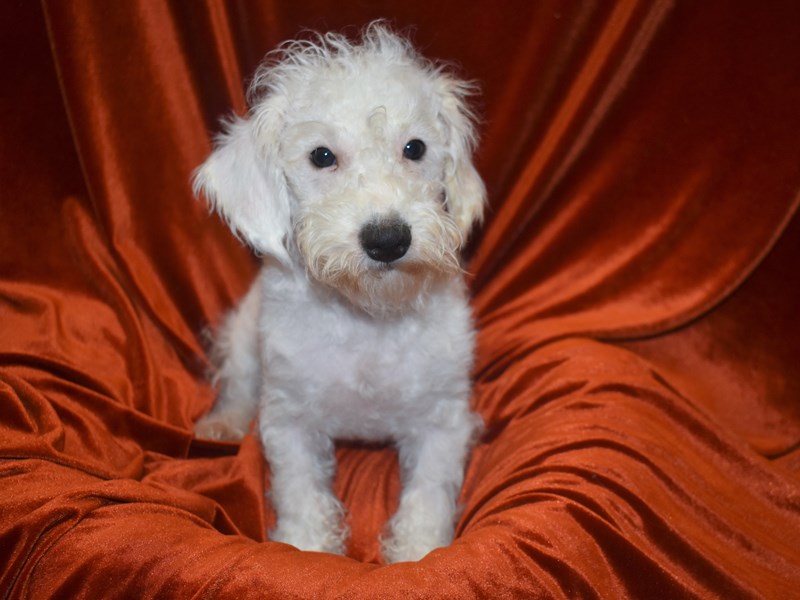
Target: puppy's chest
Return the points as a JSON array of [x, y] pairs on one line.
[[365, 358], [360, 378]]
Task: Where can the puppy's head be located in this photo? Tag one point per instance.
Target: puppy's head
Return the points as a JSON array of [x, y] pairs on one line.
[[355, 164]]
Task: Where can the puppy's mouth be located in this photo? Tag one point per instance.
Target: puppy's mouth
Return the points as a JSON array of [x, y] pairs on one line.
[[380, 269], [405, 267]]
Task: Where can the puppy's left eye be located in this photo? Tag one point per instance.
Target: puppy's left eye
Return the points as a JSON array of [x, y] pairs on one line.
[[414, 150]]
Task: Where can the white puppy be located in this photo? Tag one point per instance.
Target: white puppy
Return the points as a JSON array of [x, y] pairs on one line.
[[351, 176]]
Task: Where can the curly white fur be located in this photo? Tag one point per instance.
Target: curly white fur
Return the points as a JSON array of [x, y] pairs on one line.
[[358, 326]]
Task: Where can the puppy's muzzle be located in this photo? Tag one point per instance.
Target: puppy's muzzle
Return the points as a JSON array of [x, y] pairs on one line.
[[385, 240]]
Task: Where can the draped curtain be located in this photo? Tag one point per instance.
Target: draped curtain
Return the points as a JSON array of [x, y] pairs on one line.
[[635, 285]]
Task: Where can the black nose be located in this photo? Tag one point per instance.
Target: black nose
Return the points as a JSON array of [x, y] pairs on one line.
[[386, 240]]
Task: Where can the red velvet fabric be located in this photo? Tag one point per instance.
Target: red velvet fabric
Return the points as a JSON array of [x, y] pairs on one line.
[[635, 285]]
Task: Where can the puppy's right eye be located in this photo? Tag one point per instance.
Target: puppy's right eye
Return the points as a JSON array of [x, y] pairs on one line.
[[322, 157]]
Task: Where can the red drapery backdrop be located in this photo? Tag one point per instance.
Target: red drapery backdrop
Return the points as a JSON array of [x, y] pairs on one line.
[[635, 284]]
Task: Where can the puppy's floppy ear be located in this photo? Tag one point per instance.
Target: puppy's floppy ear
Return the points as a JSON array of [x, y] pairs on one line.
[[466, 194], [244, 183]]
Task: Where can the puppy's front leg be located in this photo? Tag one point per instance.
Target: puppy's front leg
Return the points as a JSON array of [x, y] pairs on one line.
[[432, 463], [302, 463]]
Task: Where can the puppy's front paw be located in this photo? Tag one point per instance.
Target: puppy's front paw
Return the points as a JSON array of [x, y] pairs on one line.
[[410, 542], [221, 427], [419, 526], [317, 525]]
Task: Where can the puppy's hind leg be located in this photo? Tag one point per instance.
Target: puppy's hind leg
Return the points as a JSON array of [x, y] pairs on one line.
[[237, 361]]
